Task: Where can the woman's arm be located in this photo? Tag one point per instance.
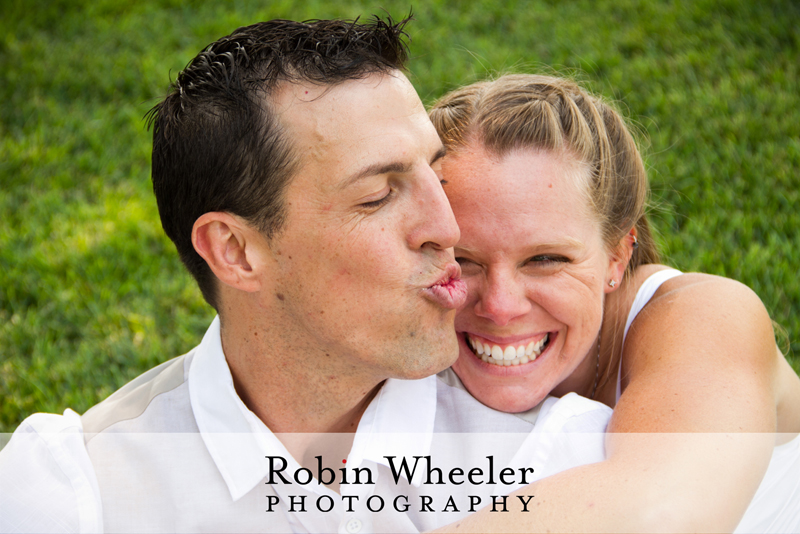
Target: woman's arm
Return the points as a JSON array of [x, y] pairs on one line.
[[701, 357]]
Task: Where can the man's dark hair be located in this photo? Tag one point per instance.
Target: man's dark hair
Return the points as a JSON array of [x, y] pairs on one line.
[[217, 145]]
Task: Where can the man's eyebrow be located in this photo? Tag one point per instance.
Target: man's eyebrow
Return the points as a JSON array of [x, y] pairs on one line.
[[374, 170], [384, 168]]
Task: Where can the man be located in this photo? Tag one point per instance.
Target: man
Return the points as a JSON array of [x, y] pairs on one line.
[[294, 169]]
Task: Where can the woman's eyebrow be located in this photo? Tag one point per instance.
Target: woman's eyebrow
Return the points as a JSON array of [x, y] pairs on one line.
[[442, 152], [568, 242]]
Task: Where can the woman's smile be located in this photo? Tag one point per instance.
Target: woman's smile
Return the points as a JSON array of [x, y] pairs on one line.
[[518, 352]]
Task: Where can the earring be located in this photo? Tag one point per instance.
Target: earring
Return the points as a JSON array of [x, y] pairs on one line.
[[635, 242], [612, 283]]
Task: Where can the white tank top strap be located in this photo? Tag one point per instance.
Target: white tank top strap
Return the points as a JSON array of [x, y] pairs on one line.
[[643, 296]]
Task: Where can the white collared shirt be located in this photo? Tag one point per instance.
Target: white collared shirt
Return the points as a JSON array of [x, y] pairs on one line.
[[176, 450]]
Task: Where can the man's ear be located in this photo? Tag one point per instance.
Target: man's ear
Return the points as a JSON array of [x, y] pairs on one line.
[[618, 260], [228, 244]]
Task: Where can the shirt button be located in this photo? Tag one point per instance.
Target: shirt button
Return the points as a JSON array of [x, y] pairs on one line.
[[353, 526]]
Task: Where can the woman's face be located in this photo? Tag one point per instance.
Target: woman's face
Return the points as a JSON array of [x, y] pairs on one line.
[[537, 272]]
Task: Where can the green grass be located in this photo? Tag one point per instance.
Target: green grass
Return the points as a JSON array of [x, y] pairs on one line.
[[92, 293]]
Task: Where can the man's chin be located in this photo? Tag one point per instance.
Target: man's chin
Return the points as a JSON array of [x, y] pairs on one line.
[[432, 359]]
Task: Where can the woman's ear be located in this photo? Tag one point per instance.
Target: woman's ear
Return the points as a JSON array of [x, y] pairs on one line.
[[619, 258], [227, 243]]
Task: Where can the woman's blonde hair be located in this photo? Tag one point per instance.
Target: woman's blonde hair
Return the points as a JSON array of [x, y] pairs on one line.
[[548, 113]]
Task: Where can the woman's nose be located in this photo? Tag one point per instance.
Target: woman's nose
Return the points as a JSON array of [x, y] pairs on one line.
[[502, 299]]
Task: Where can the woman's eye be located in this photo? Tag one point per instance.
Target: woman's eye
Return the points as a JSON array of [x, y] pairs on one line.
[[547, 259], [468, 267]]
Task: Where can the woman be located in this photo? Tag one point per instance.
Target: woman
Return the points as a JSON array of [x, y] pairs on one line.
[[566, 294]]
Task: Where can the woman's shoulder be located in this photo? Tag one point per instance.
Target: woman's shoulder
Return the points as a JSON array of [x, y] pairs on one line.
[[696, 309], [708, 337], [689, 290]]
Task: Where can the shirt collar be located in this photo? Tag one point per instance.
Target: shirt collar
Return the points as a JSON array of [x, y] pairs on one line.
[[398, 422]]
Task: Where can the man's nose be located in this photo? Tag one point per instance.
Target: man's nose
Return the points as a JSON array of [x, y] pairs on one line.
[[437, 226], [501, 298]]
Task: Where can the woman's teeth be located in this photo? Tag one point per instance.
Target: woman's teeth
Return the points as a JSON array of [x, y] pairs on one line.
[[511, 355]]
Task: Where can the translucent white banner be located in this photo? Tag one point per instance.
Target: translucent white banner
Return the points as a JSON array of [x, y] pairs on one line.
[[189, 482]]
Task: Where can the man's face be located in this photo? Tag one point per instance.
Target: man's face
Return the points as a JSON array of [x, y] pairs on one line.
[[364, 265]]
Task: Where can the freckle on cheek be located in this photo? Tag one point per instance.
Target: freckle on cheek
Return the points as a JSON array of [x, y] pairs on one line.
[[280, 296]]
